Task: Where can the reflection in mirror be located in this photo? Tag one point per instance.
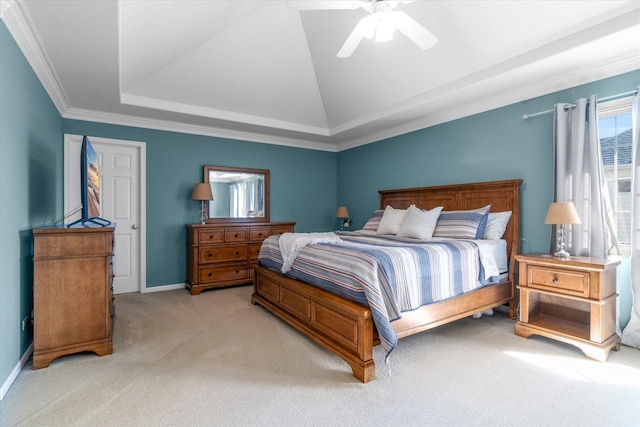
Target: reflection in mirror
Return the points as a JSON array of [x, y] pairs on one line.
[[238, 194]]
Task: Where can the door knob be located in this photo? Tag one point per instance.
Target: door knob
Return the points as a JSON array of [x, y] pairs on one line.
[[134, 226]]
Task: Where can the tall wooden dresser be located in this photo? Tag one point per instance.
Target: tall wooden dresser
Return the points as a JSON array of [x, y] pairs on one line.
[[221, 255], [73, 303]]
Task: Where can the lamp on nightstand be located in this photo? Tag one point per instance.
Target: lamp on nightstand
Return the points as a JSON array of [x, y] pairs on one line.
[[202, 192], [343, 214], [562, 213]]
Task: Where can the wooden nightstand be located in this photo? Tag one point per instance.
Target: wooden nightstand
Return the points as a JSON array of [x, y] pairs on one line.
[[572, 300]]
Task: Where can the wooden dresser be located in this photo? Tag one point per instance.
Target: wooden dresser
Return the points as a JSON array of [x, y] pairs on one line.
[[221, 255], [73, 303], [572, 300]]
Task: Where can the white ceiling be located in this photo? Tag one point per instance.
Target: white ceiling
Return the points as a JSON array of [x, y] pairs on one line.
[[263, 71]]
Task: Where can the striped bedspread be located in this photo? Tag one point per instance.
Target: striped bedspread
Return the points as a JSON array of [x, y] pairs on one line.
[[386, 273]]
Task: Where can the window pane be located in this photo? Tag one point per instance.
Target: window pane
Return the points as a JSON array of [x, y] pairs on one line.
[[624, 186], [624, 148], [615, 144], [624, 227], [607, 127]]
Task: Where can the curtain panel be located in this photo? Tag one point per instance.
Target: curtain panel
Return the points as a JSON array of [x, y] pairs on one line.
[[580, 178], [631, 333]]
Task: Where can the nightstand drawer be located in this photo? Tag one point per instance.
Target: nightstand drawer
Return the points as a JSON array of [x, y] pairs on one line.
[[569, 281]]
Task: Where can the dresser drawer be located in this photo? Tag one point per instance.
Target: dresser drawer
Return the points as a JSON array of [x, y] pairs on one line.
[[282, 229], [211, 236], [254, 250], [223, 253], [569, 281], [222, 273], [236, 235], [258, 234]]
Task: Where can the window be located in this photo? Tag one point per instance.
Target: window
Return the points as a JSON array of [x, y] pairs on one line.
[[614, 127]]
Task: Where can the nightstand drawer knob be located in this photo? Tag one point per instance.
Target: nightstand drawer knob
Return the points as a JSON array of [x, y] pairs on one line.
[[555, 280]]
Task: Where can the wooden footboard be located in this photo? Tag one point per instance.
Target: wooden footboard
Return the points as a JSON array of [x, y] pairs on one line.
[[339, 325], [346, 328]]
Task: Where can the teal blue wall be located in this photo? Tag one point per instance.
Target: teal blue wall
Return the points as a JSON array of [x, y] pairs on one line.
[[30, 190], [493, 145]]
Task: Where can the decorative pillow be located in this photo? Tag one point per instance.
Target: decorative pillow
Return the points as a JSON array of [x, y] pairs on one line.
[[419, 224], [374, 221], [391, 220], [462, 224], [496, 225]]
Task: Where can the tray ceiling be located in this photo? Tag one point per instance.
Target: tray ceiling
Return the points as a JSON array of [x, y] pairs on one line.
[[263, 71]]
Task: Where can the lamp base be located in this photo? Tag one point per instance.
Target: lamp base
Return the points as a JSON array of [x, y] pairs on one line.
[[203, 212], [562, 254]]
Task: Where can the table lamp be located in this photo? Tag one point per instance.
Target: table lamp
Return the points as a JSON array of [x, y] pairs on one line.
[[343, 214], [202, 192], [562, 213]]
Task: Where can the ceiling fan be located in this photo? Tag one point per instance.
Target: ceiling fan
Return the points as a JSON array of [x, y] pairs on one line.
[[381, 23]]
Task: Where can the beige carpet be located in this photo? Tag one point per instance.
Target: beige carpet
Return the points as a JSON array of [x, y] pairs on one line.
[[215, 359]]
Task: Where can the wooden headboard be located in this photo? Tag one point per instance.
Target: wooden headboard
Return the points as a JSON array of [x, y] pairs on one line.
[[502, 195]]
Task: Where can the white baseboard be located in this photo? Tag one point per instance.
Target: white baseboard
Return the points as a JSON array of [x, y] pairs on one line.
[[14, 374], [163, 288]]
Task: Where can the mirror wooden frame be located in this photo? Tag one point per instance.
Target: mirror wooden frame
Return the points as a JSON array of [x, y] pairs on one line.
[[265, 172]]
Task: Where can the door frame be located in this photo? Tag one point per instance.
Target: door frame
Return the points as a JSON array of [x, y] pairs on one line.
[[142, 151]]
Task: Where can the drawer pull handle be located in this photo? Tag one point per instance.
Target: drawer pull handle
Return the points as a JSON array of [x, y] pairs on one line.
[[237, 253], [555, 280], [210, 236]]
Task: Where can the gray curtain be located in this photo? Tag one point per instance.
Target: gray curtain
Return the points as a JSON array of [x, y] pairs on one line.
[[631, 333], [579, 178]]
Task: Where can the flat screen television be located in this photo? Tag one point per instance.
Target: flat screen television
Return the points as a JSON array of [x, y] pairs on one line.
[[89, 187]]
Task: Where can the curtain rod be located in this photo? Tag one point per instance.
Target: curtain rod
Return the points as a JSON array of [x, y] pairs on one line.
[[608, 98]]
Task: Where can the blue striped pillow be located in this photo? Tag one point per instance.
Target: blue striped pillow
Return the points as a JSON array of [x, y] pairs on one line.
[[373, 222], [462, 224]]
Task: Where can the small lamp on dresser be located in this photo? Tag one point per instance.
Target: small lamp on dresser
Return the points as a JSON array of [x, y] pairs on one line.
[[202, 192], [562, 213], [343, 214]]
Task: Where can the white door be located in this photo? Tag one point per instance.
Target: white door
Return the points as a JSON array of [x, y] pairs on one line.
[[122, 192]]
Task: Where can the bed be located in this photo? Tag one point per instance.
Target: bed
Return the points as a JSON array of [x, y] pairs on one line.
[[347, 328]]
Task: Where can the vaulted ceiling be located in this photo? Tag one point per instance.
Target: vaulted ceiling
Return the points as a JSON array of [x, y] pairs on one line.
[[264, 71]]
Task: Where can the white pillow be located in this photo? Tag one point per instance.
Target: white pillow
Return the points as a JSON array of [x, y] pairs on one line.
[[391, 220], [496, 225], [419, 224]]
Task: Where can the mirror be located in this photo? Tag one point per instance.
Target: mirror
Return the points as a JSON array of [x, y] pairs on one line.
[[239, 194]]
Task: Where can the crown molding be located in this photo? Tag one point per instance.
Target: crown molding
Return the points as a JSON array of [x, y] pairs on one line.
[[169, 126], [18, 22]]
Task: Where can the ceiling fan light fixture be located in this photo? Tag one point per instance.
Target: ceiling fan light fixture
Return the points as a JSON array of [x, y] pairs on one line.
[[387, 24], [368, 25]]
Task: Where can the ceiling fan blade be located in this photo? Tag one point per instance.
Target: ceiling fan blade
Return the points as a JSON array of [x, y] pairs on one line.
[[414, 31], [352, 42], [325, 5]]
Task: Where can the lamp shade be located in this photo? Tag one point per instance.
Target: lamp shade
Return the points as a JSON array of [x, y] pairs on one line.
[[202, 191], [342, 212], [562, 213]]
